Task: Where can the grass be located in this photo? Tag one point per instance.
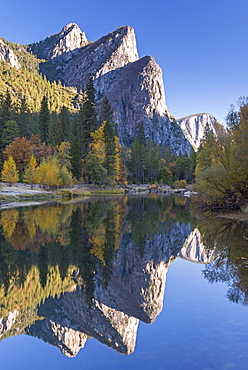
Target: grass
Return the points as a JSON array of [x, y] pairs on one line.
[[109, 191]]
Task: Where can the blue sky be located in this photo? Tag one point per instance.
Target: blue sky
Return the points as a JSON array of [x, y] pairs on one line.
[[201, 45]]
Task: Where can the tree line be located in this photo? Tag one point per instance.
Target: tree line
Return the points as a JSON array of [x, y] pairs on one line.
[[222, 163]]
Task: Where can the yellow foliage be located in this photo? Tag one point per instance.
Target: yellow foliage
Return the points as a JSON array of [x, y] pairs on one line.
[[98, 145], [48, 172], [121, 176], [30, 172], [63, 154], [9, 172], [9, 219], [31, 293]]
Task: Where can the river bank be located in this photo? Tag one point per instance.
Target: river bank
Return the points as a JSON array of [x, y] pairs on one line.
[[19, 192]]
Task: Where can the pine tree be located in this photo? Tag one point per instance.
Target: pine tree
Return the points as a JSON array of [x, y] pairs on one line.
[[64, 124], [44, 120], [6, 110], [23, 119], [94, 171], [10, 132], [76, 158], [106, 111], [87, 116], [110, 149], [9, 171], [138, 160]]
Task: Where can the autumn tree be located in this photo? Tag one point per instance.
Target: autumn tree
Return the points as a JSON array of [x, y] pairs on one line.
[[40, 150], [9, 171], [222, 173], [48, 173], [20, 150], [30, 172]]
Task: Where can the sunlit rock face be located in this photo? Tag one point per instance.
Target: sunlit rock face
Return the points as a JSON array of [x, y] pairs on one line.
[[195, 251], [109, 326], [109, 53], [7, 322], [194, 127], [133, 86], [64, 43], [8, 56], [69, 341], [136, 94]]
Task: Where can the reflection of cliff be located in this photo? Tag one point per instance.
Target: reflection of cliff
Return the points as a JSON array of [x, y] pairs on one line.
[[108, 257], [134, 292], [195, 251], [7, 322], [72, 312]]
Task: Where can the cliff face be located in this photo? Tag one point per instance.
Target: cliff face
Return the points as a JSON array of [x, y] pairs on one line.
[[63, 44], [133, 86], [194, 127], [8, 56]]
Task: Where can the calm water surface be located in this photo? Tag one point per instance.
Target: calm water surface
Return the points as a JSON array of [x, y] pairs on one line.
[[122, 283]]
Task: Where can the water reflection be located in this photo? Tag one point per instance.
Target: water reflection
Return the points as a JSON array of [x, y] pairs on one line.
[[96, 268], [231, 264]]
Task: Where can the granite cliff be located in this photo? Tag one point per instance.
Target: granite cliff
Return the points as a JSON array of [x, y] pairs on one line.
[[133, 86], [7, 55], [194, 127]]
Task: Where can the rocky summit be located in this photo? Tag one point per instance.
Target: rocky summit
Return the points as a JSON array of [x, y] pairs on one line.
[[7, 55], [194, 127], [134, 86]]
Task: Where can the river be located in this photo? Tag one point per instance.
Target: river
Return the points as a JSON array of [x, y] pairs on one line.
[[122, 283]]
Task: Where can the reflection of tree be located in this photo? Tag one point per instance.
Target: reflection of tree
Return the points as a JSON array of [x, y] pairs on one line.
[[151, 215], [81, 254], [9, 220], [231, 266], [49, 248]]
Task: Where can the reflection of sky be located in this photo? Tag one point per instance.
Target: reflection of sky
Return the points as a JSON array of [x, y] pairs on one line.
[[198, 329]]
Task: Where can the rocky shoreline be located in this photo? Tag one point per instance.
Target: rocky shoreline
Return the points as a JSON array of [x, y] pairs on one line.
[[23, 194]]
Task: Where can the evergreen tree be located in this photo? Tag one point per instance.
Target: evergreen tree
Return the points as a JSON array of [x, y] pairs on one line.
[[6, 110], [106, 111], [23, 119], [138, 161], [44, 120], [110, 149], [64, 124], [76, 155], [94, 172], [87, 117], [10, 132]]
